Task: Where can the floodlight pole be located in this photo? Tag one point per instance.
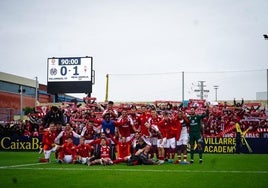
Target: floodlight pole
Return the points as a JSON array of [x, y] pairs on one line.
[[36, 92], [107, 87]]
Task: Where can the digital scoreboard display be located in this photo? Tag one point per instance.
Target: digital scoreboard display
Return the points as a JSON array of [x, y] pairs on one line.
[[70, 74]]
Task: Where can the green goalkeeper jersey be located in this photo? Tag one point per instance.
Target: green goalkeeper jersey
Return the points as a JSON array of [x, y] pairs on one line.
[[196, 122]]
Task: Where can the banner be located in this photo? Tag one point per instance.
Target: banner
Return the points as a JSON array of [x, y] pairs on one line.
[[218, 145], [20, 143], [229, 145]]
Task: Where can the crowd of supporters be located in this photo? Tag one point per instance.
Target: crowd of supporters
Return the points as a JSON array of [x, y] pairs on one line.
[[222, 116], [137, 132]]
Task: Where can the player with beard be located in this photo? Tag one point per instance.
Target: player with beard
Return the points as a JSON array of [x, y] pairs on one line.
[[195, 132]]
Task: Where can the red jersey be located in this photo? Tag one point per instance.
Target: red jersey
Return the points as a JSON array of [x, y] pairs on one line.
[[154, 120], [48, 139], [135, 119], [123, 149], [163, 127], [105, 152], [64, 135], [142, 120], [174, 129], [88, 133], [125, 127], [67, 149], [83, 150]]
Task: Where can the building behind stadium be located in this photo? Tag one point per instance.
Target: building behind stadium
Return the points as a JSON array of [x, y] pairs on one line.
[[17, 93]]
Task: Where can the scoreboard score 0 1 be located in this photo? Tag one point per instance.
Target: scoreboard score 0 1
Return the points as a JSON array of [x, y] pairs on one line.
[[70, 74], [69, 69]]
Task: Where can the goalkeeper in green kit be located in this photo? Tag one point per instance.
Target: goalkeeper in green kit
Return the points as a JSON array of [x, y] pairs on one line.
[[195, 132]]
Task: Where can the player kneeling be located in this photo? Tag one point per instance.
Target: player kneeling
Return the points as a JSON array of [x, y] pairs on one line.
[[48, 143], [68, 152], [105, 158], [83, 151]]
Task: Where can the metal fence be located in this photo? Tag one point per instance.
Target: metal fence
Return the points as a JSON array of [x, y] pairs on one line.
[[7, 114]]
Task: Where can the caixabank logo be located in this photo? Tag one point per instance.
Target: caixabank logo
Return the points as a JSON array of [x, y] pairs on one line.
[[20, 143]]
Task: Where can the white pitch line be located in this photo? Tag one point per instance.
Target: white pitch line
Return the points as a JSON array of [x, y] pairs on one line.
[[20, 167]]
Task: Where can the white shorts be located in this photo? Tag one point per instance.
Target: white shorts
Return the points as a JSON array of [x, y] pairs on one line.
[[68, 159], [84, 160], [153, 141], [162, 144], [171, 143], [47, 153], [88, 141], [183, 139], [147, 140]]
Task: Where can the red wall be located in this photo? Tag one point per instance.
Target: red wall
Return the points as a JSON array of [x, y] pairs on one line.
[[11, 100]]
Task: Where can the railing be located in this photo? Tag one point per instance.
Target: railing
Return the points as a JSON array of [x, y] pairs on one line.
[[7, 114]]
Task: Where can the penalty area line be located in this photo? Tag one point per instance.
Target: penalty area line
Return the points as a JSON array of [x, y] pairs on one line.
[[23, 167]]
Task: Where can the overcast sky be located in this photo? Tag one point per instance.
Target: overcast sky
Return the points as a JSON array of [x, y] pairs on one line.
[[143, 45]]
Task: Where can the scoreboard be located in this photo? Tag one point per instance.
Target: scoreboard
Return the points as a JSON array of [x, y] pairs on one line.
[[70, 75]]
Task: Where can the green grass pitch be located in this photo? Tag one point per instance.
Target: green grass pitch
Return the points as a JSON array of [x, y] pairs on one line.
[[21, 169]]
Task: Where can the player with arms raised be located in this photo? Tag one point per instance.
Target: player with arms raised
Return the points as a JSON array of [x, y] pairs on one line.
[[195, 132]]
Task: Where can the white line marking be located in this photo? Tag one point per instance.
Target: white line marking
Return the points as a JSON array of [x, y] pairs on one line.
[[21, 167]]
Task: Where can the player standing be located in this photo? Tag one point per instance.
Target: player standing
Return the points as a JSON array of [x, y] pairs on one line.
[[126, 125], [195, 132], [183, 140], [88, 132]]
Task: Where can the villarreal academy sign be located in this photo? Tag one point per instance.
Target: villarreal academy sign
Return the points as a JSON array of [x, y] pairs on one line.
[[219, 145]]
